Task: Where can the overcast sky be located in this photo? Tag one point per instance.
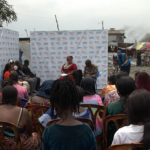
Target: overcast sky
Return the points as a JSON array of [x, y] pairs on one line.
[[131, 15]]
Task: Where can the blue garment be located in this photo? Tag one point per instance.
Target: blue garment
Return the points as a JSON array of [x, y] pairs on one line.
[[20, 58], [46, 117], [123, 60], [60, 137]]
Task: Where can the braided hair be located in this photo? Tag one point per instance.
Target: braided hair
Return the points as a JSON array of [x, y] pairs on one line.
[[64, 94]]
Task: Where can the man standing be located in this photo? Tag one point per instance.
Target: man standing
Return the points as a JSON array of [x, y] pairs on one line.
[[26, 70], [90, 69], [31, 81], [124, 62]]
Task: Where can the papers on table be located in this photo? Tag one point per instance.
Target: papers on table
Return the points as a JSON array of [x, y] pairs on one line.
[[63, 74]]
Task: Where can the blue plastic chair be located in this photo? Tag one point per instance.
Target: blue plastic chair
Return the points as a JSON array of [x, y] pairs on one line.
[[103, 98], [95, 81], [2, 78], [24, 101]]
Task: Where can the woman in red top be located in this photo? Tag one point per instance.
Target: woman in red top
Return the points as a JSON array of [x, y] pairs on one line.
[[7, 71], [68, 68]]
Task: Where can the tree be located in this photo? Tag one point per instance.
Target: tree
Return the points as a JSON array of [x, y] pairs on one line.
[[7, 12], [146, 38]]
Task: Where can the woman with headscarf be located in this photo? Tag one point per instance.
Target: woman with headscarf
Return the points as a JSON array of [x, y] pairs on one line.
[[68, 68], [90, 97]]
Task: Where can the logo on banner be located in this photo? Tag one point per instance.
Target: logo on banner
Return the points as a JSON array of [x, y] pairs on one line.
[[84, 57], [104, 66], [53, 67], [52, 39], [84, 52], [104, 32], [59, 67], [46, 62], [3, 60], [84, 43], [71, 33], [98, 47], [84, 47], [46, 44], [40, 53], [104, 42], [46, 58], [40, 34], [39, 57], [52, 43], [97, 37], [52, 33], [34, 53], [53, 76], [58, 39], [97, 57], [96, 42], [78, 38], [53, 53], [0, 60], [38, 43], [46, 33], [34, 62], [72, 48], [104, 52], [3, 43], [59, 53], [98, 32], [65, 53], [72, 53], [64, 38], [77, 43], [52, 71], [41, 76], [41, 62], [104, 61], [91, 38], [91, 57], [45, 39], [71, 43], [91, 42], [53, 62], [91, 47], [103, 37], [79, 62], [72, 38], [98, 61], [78, 52], [53, 48], [79, 33], [60, 62], [104, 56], [84, 38], [97, 52], [40, 48], [90, 32], [84, 32], [65, 43], [91, 52], [46, 48], [57, 43], [59, 48], [33, 39], [33, 58], [59, 33], [34, 67], [33, 34], [65, 33], [66, 48], [79, 48], [52, 57], [1, 48], [57, 57]]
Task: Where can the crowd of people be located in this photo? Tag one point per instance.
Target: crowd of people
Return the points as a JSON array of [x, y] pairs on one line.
[[122, 95]]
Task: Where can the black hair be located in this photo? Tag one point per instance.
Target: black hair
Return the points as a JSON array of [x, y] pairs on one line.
[[13, 77], [138, 105], [80, 92], [112, 79], [64, 94], [9, 95], [7, 66], [125, 86], [6, 83], [26, 62], [136, 74], [121, 74], [71, 57], [88, 62], [77, 74]]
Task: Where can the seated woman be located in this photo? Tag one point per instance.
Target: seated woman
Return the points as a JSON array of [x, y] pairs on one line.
[[111, 95], [90, 97], [83, 113], [7, 71], [143, 81], [68, 68], [125, 86], [138, 115], [22, 92], [10, 83], [21, 118], [68, 133], [41, 99]]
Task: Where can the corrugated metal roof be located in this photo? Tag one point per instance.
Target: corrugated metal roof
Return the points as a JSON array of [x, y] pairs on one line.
[[116, 32]]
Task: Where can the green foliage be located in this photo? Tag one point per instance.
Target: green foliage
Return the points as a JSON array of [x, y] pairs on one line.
[[7, 12]]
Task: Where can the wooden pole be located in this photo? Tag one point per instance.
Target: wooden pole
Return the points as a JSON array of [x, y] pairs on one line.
[[57, 23]]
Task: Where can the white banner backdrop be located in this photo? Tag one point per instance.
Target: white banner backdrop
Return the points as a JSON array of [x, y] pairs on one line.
[[50, 49], [9, 47]]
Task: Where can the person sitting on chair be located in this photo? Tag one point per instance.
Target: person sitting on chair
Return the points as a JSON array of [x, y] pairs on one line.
[[26, 70], [90, 69]]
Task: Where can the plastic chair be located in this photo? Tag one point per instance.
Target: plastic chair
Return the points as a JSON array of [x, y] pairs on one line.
[[2, 78], [23, 101], [95, 81]]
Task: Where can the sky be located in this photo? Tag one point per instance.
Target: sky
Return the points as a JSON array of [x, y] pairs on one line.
[[39, 15]]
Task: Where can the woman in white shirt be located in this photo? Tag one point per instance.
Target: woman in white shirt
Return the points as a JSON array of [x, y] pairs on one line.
[[138, 106]]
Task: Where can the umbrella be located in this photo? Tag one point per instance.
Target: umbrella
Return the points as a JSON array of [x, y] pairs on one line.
[[143, 46]]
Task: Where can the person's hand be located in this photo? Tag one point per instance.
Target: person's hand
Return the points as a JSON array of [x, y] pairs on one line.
[[122, 65], [20, 80], [28, 76]]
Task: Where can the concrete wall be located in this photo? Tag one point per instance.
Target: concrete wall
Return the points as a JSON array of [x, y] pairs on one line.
[[25, 47], [112, 38]]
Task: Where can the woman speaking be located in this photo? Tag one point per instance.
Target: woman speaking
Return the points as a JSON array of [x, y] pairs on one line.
[[68, 68]]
